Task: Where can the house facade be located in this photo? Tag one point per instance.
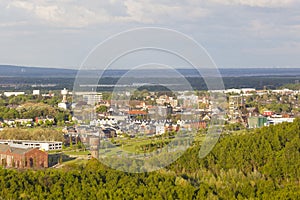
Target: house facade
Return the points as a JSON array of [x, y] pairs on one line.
[[22, 158]]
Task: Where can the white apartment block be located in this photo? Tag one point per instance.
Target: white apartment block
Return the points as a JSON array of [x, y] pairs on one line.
[[42, 145], [8, 94], [92, 99]]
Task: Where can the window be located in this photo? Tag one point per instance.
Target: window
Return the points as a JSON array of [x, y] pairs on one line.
[[31, 162]]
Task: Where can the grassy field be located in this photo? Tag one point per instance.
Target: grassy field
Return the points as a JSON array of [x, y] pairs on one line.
[[135, 145], [78, 161], [77, 153]]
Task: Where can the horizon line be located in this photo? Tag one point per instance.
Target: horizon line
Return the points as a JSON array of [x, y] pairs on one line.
[[179, 68]]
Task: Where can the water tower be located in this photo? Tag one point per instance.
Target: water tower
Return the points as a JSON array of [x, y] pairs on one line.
[[64, 93], [94, 146]]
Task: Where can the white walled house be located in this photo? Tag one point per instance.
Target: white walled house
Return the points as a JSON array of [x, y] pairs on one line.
[[8, 94]]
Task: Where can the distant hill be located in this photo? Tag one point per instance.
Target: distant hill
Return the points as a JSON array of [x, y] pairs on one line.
[[22, 71], [19, 71], [25, 78]]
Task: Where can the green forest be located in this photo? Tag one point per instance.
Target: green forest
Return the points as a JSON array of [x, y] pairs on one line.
[[257, 164]]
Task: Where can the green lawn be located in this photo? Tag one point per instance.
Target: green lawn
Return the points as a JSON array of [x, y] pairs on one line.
[[133, 145], [79, 153], [76, 161]]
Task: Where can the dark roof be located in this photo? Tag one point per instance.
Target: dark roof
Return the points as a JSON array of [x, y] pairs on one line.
[[15, 150]]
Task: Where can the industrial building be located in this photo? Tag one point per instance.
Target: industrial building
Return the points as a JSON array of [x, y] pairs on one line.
[[41, 145], [22, 158]]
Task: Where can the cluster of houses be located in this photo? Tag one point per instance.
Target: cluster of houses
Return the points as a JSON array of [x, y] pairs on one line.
[[251, 117], [268, 118], [153, 115], [34, 92], [134, 127], [27, 122], [177, 112]]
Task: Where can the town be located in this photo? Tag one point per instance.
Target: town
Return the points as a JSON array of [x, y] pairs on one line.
[[134, 100], [81, 128]]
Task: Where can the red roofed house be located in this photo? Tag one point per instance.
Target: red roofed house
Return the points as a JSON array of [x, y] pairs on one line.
[[135, 113], [268, 113]]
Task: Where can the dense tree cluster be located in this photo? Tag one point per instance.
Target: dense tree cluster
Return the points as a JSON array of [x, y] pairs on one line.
[[263, 163], [291, 86], [33, 111], [41, 134], [260, 164]]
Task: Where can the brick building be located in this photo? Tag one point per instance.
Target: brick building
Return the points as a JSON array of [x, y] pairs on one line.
[[199, 125], [22, 158]]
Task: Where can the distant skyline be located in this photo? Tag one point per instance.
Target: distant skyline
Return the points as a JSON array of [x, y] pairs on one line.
[[236, 33]]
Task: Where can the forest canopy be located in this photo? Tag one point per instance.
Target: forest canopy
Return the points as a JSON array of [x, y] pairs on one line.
[[262, 163]]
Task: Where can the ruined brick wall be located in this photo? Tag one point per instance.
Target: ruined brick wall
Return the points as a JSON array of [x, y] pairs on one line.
[[36, 159]]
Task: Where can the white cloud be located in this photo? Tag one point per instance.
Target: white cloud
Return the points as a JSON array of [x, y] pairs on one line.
[[257, 3], [225, 26], [260, 29], [12, 24], [26, 5], [147, 11], [73, 13], [74, 16], [62, 13]]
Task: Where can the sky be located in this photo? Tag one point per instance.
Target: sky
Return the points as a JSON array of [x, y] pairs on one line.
[[236, 33]]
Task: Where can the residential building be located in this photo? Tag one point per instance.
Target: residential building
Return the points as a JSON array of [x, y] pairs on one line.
[[8, 94], [133, 114], [36, 92], [280, 120], [235, 102], [164, 99], [257, 122], [92, 99], [268, 113], [42, 145]]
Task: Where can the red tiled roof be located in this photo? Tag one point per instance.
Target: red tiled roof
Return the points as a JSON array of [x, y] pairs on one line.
[[137, 112]]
